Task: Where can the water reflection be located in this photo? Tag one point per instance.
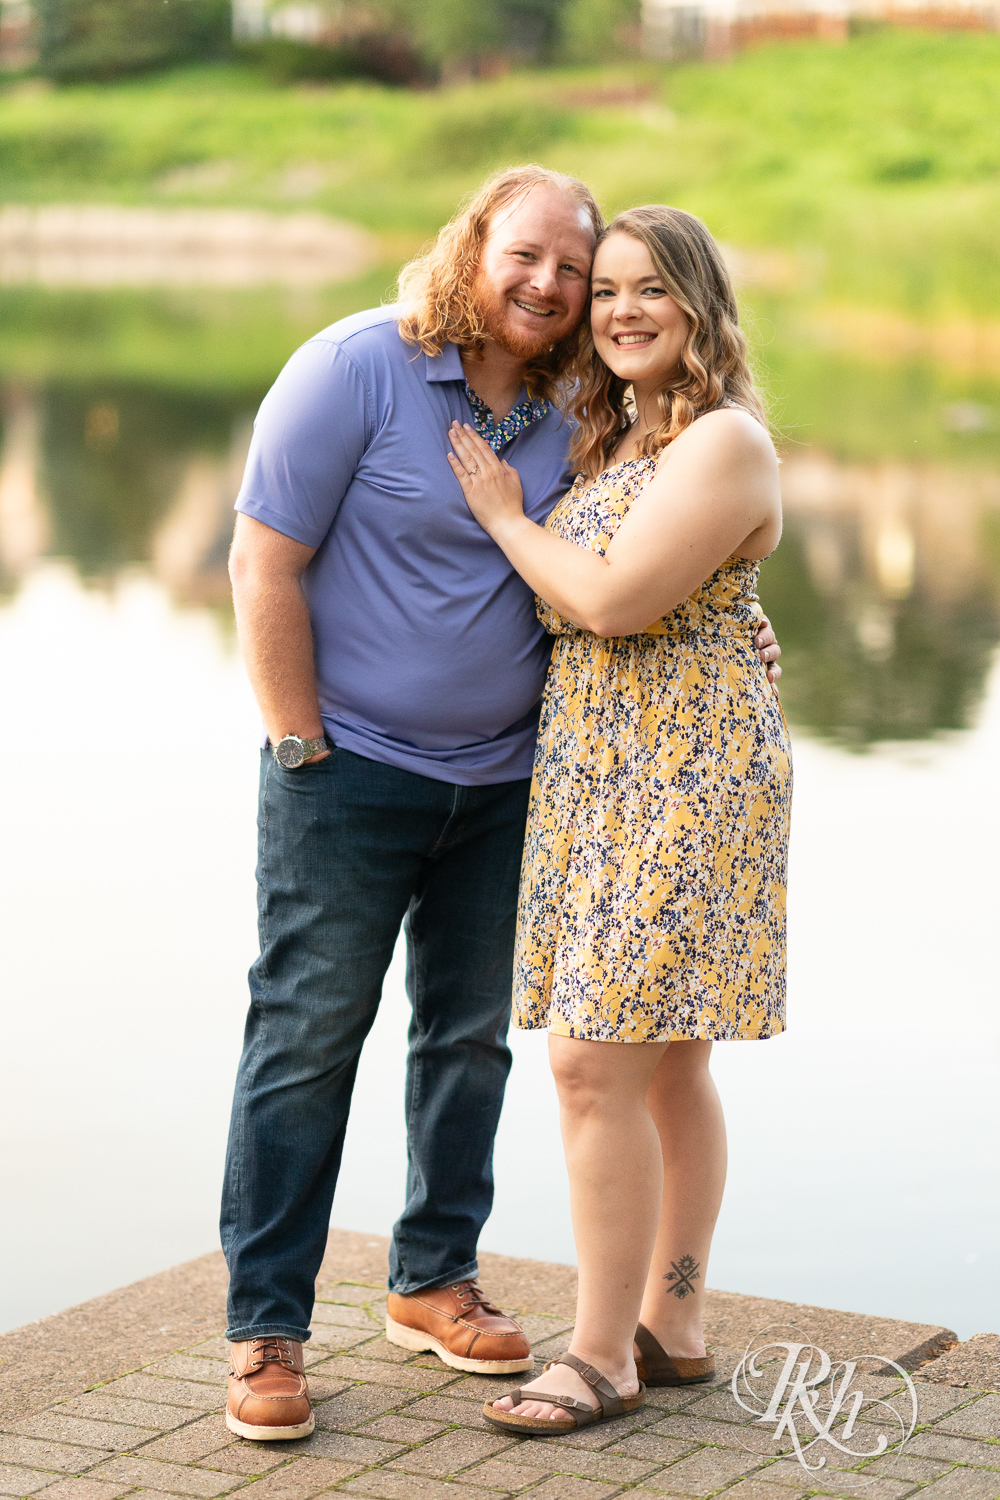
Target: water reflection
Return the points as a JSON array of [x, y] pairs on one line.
[[860, 1139], [125, 426], [886, 595], [115, 474], [885, 590], [24, 522]]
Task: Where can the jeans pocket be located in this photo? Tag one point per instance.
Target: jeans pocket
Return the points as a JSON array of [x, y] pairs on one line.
[[308, 768], [318, 765]]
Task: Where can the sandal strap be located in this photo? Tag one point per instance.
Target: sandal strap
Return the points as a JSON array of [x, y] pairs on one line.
[[566, 1403], [611, 1403], [652, 1351], [656, 1362]]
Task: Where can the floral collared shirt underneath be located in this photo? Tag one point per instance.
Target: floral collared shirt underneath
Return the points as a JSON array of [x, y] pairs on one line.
[[498, 434]]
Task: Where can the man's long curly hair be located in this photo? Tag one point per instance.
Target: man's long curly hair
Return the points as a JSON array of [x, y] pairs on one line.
[[437, 289], [714, 365]]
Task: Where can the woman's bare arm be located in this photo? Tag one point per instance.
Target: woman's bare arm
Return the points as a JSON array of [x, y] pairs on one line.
[[715, 492]]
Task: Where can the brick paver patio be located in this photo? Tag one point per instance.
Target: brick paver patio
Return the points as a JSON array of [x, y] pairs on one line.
[[394, 1426]]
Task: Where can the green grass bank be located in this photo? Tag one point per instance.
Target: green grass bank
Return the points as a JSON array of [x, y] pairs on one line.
[[873, 167]]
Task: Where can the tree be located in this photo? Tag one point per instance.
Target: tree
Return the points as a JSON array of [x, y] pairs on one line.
[[594, 30], [464, 32], [81, 39]]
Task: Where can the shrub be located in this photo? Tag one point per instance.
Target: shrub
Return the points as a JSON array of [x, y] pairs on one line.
[[101, 39], [385, 57], [594, 30], [464, 135]]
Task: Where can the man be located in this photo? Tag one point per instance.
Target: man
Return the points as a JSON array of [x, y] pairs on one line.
[[398, 664]]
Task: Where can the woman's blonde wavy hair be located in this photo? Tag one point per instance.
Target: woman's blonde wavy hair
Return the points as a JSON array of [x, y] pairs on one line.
[[438, 288], [714, 364]]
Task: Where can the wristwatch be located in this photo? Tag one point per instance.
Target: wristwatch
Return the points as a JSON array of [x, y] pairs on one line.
[[292, 750]]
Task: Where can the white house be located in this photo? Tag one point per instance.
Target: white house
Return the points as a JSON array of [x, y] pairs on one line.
[[300, 20], [716, 28]]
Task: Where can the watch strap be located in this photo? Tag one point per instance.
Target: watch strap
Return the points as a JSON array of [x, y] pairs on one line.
[[313, 747]]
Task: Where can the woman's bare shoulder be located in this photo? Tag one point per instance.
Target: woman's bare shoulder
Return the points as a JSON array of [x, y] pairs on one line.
[[728, 436], [730, 425]]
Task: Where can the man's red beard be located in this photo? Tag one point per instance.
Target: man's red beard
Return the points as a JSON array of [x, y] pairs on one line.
[[494, 311]]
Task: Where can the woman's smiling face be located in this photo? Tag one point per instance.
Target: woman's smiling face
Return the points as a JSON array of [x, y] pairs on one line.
[[639, 330]]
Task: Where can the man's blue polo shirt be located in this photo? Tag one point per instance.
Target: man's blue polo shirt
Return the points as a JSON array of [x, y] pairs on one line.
[[428, 652]]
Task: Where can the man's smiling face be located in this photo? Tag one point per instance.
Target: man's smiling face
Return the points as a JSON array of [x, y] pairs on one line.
[[534, 270]]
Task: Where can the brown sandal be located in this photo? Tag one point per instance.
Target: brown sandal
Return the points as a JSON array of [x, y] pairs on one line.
[[610, 1404], [657, 1367]]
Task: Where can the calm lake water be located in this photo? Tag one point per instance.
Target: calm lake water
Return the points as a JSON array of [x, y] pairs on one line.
[[863, 1141]]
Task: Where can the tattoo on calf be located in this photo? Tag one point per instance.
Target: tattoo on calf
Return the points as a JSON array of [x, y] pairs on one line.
[[685, 1271]]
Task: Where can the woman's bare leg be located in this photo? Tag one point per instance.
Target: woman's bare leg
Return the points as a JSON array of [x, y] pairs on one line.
[[615, 1165], [685, 1106]]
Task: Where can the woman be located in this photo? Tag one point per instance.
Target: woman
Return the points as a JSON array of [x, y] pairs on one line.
[[651, 918]]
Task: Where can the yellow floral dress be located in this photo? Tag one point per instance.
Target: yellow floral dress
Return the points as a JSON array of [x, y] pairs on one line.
[[652, 898]]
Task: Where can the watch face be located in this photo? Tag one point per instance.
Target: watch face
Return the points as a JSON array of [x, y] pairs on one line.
[[289, 752]]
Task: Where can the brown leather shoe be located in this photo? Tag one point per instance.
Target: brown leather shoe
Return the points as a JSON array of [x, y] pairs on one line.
[[268, 1395], [461, 1326]]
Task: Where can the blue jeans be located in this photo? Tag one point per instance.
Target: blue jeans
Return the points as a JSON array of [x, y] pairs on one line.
[[349, 849]]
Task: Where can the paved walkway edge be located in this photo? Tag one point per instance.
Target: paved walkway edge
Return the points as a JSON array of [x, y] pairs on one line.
[[100, 1340], [123, 1399]]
